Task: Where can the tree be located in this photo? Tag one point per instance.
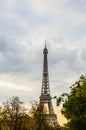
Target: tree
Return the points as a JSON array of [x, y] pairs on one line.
[[74, 105], [13, 115], [38, 112], [14, 109], [38, 115]]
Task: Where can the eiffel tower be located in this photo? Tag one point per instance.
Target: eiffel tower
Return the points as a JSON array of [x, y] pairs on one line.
[[45, 97]]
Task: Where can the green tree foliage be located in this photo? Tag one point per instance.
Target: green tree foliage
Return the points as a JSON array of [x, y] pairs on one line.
[[74, 105]]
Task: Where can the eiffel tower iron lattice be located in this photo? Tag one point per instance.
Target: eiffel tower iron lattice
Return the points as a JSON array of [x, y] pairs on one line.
[[45, 97]]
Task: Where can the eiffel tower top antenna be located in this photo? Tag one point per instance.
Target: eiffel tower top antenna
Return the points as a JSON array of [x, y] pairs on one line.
[[45, 43]]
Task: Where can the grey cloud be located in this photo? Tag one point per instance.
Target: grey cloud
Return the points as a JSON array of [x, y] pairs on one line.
[[64, 54], [66, 62], [79, 64], [12, 53], [79, 4], [18, 58], [83, 55]]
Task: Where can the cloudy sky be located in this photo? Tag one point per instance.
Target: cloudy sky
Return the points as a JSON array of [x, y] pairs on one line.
[[24, 27]]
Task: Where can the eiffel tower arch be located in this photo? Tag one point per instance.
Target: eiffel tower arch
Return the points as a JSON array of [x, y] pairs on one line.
[[45, 97]]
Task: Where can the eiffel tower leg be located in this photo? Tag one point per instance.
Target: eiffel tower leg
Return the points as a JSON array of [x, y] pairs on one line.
[[50, 106]]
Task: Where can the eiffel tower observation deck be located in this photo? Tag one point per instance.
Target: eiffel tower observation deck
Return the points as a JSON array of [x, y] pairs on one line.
[[45, 97]]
